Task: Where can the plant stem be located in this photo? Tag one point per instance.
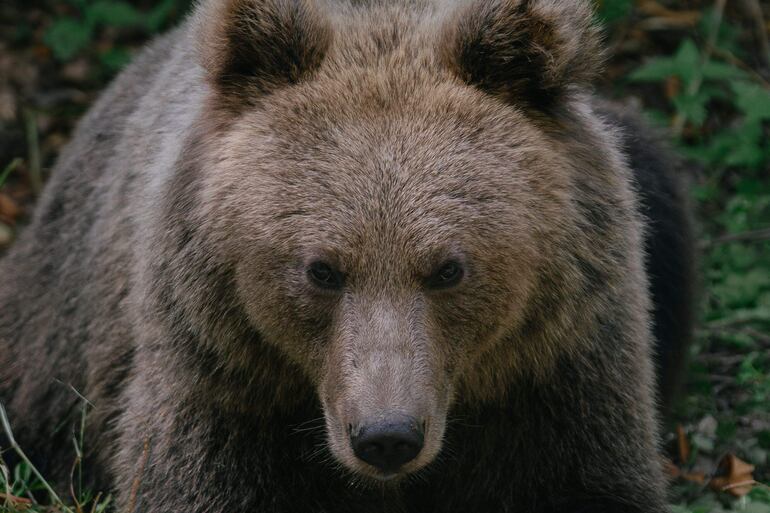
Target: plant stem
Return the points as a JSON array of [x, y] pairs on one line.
[[8, 170], [33, 147], [15, 446]]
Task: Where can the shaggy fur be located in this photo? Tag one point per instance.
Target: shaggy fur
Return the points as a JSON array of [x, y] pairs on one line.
[[164, 275]]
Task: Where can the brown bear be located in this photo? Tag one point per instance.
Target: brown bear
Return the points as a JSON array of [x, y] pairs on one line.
[[353, 256]]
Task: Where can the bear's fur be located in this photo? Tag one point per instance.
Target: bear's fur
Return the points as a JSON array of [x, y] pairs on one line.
[[164, 274]]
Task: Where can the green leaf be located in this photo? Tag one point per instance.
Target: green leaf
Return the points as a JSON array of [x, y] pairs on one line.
[[655, 70], [159, 15], [610, 11], [752, 99], [742, 256], [114, 13], [66, 37], [115, 59], [748, 149], [688, 61], [705, 192], [744, 146], [720, 71], [685, 64], [693, 108], [742, 291]]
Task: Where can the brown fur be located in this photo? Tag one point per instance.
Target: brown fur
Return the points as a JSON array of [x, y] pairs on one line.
[[165, 273]]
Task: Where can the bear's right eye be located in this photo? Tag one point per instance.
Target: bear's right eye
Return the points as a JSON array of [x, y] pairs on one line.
[[324, 276], [448, 275]]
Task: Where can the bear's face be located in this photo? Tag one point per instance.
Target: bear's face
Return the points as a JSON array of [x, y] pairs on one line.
[[387, 226], [385, 245]]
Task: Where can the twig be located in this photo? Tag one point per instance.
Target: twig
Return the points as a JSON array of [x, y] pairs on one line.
[[745, 318], [138, 477], [96, 502], [79, 442], [75, 464], [665, 23], [735, 61], [758, 335], [16, 447], [754, 13], [721, 378], [33, 147], [6, 480], [760, 235], [13, 498], [739, 484], [726, 360], [694, 85]]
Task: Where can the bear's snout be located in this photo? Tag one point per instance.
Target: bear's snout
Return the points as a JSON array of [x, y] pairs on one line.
[[388, 443]]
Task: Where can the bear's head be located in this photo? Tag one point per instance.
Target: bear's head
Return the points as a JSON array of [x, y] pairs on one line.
[[400, 192]]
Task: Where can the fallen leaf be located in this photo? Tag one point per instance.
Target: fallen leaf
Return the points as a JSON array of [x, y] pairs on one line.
[[9, 210], [733, 476], [694, 477], [682, 444], [670, 468]]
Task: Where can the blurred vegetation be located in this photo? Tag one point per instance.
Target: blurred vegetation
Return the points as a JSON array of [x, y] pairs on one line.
[[699, 69]]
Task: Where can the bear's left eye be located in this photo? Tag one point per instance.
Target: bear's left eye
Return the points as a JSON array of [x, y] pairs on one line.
[[324, 276], [448, 275]]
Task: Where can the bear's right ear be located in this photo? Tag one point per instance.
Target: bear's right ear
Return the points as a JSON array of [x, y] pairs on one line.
[[251, 47], [529, 52]]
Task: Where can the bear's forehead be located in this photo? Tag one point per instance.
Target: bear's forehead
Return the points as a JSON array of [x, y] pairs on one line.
[[395, 121], [400, 168], [392, 153]]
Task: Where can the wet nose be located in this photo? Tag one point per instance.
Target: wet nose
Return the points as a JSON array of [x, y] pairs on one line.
[[388, 444]]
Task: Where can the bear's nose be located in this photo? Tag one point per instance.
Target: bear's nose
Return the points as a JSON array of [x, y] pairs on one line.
[[388, 444]]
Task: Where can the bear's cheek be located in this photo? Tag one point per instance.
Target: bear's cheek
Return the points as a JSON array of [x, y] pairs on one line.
[[277, 306], [468, 325]]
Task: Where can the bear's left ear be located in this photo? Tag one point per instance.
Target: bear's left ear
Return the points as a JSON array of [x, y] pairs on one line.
[[530, 52], [251, 47]]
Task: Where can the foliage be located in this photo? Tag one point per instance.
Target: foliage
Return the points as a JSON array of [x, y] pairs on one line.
[[20, 489], [718, 109], [704, 82], [71, 35]]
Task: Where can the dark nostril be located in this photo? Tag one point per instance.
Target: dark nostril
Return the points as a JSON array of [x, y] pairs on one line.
[[388, 444]]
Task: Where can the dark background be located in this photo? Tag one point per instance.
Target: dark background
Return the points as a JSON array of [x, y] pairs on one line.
[[700, 70]]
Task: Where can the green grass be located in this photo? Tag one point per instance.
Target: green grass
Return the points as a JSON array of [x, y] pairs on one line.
[[23, 486]]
